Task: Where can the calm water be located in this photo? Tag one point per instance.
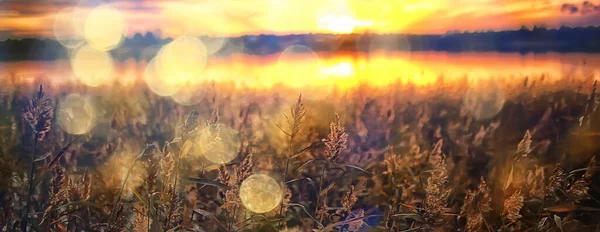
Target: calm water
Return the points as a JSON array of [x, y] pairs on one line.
[[346, 69]]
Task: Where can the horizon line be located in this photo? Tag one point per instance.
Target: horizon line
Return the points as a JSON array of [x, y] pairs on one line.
[[329, 34]]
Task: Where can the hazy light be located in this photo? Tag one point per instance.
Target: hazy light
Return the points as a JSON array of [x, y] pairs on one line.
[[104, 27], [218, 144], [240, 8], [76, 115], [484, 101], [260, 193], [175, 65], [189, 95], [65, 28], [184, 58], [159, 82], [213, 44], [90, 66], [298, 66], [343, 69], [341, 23]]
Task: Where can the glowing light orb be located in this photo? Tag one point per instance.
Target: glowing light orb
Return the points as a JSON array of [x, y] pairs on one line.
[[104, 27], [159, 82], [175, 64], [91, 66], [484, 101], [260, 193], [184, 58], [76, 115], [219, 145], [298, 66], [66, 28], [213, 44]]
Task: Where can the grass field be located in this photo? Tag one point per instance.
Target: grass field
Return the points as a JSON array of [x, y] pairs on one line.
[[509, 155]]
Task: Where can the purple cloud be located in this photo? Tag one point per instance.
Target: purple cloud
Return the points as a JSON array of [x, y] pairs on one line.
[[586, 8], [569, 8]]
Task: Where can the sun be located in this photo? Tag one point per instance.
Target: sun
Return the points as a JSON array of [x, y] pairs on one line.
[[342, 24], [337, 24]]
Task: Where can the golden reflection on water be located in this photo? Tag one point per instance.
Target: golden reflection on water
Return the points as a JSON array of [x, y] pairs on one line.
[[344, 70]]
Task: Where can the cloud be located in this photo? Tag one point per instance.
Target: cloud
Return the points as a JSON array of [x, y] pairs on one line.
[[586, 8], [569, 8]]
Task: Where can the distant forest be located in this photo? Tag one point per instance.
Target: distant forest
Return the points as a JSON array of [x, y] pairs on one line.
[[536, 40]]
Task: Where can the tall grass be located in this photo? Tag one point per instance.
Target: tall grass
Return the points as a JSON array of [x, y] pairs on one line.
[[395, 160]]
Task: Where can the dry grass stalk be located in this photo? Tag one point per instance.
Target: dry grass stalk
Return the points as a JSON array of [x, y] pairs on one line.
[[172, 207], [579, 190], [336, 140], [390, 221], [524, 147], [140, 219], [436, 194], [476, 204], [321, 213], [512, 207], [167, 165], [191, 123], [349, 199], [152, 171], [356, 225], [38, 114], [58, 193], [224, 178], [120, 221], [244, 170], [556, 180], [297, 117]]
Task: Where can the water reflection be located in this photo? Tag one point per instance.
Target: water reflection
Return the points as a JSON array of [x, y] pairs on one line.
[[341, 69]]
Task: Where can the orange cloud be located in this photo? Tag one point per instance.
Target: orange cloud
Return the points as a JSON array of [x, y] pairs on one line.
[[239, 17]]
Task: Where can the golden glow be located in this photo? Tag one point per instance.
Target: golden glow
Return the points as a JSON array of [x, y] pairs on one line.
[[343, 69], [183, 59], [159, 82], [344, 24], [104, 27], [92, 67], [236, 17], [260, 193], [377, 69], [305, 68], [75, 114], [175, 65], [65, 28], [189, 95], [241, 8], [218, 144]]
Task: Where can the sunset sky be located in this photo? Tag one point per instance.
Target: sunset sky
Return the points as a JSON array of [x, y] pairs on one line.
[[29, 18]]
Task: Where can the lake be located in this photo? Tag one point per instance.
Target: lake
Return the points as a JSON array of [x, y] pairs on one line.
[[340, 69]]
